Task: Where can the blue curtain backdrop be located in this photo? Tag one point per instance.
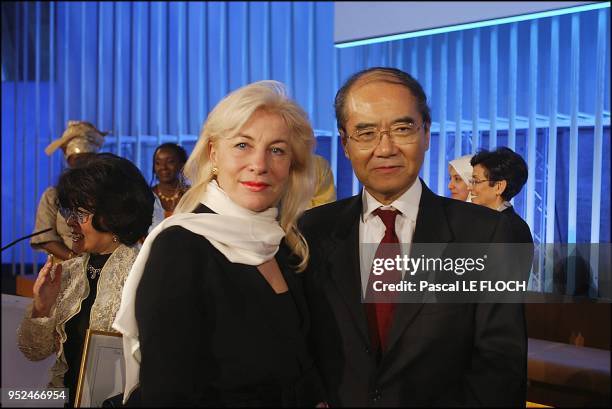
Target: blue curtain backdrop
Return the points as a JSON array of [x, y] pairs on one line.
[[150, 73]]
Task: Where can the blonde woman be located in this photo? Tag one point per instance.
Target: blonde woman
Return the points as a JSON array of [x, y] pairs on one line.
[[213, 312]]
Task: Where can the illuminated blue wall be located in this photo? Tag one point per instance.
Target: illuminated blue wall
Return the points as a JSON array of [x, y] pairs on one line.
[[541, 87], [150, 73]]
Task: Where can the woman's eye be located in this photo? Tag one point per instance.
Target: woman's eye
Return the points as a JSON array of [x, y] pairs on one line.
[[241, 145], [278, 151]]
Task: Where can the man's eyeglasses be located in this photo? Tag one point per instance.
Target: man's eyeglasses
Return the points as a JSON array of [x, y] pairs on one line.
[[79, 214], [402, 133]]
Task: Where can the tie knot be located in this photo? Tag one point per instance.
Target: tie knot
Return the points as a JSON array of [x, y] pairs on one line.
[[387, 217]]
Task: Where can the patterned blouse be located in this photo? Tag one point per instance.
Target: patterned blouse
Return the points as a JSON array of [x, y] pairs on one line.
[[38, 338]]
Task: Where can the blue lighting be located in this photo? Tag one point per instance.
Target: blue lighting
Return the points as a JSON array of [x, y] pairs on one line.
[[467, 26]]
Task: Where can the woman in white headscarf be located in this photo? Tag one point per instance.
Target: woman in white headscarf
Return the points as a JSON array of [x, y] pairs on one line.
[[460, 172], [212, 313]]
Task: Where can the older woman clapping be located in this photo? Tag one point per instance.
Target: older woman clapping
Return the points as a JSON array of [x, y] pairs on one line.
[[108, 206]]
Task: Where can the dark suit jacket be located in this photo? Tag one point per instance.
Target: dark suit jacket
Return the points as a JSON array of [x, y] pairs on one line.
[[438, 354], [210, 333]]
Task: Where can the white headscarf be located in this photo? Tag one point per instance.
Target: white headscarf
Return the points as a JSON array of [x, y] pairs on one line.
[[463, 167], [243, 236]]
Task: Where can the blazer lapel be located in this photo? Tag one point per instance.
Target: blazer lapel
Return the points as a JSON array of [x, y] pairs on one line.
[[431, 227], [343, 264], [285, 261]]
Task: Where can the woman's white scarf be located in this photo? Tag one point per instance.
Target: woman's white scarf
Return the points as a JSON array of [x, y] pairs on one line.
[[241, 235]]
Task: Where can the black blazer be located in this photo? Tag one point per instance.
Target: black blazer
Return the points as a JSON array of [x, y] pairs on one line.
[[521, 233], [520, 229], [210, 332], [438, 354]]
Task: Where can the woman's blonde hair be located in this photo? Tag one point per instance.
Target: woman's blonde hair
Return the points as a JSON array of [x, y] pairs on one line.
[[226, 120]]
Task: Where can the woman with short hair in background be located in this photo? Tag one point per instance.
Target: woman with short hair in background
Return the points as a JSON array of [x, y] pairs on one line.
[[497, 177]]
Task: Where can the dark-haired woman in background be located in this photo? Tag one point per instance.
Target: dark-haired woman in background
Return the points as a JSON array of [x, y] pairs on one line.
[[108, 206], [497, 177], [168, 161]]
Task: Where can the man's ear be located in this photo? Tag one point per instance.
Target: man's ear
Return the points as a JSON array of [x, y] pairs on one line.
[[427, 136], [344, 140]]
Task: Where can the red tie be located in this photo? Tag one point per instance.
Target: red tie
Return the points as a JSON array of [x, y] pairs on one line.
[[380, 314]]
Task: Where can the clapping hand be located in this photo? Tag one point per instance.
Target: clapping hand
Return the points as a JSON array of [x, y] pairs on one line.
[[46, 288]]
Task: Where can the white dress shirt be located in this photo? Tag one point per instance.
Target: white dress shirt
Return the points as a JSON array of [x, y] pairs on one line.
[[372, 229]]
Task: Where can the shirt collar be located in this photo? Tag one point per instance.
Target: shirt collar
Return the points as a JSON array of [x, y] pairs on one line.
[[504, 206], [407, 203]]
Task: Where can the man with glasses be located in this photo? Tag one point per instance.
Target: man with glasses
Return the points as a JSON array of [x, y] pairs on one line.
[[402, 354]]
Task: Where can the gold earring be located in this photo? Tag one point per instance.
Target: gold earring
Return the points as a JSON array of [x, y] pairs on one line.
[[215, 170], [115, 239]]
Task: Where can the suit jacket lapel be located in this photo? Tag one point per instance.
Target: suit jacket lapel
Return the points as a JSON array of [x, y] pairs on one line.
[[343, 263], [431, 227]]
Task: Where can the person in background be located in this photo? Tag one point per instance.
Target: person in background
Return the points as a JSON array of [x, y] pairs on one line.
[[80, 141], [460, 173], [158, 214], [325, 191], [97, 200], [168, 162], [213, 312], [497, 177]]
